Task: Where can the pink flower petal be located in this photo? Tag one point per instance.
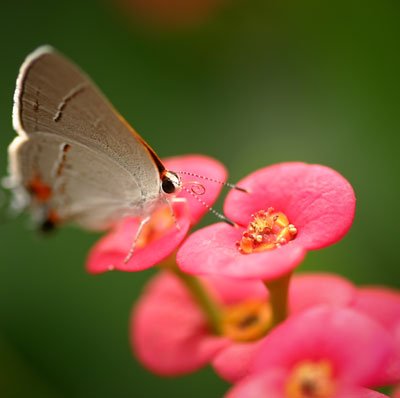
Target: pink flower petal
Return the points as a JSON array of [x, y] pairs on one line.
[[397, 334], [199, 165], [169, 333], [317, 200], [356, 392], [309, 290], [212, 250], [111, 250], [365, 393], [233, 362], [230, 291], [266, 384], [358, 348], [382, 304]]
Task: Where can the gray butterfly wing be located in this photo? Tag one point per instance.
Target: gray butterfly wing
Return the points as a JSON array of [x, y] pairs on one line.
[[64, 180], [73, 144]]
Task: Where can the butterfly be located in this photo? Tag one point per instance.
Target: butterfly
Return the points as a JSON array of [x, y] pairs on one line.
[[75, 158]]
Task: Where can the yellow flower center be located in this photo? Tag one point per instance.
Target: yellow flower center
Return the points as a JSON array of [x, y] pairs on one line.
[[247, 321], [311, 380], [267, 230], [160, 221]]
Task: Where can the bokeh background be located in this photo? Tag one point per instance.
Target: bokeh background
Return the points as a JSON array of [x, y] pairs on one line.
[[250, 82]]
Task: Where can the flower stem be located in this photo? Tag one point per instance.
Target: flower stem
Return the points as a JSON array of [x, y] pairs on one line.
[[208, 305], [278, 297]]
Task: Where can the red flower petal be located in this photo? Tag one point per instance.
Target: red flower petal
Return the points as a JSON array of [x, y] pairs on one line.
[[212, 250], [317, 200]]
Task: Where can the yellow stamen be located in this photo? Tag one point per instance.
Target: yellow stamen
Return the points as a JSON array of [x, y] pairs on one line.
[[268, 230], [311, 380], [246, 321]]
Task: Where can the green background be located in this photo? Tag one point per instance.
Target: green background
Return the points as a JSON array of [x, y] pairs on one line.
[[260, 82]]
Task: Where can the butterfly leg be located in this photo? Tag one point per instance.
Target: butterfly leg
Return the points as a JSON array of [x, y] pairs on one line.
[[169, 203], [143, 222]]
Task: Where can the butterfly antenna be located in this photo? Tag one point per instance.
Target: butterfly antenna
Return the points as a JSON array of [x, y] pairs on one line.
[[211, 209], [227, 184]]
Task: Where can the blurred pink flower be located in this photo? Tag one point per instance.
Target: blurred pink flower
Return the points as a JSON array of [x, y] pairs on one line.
[[321, 352], [306, 290], [173, 14], [269, 384], [290, 208], [383, 305], [171, 336], [169, 332], [160, 237]]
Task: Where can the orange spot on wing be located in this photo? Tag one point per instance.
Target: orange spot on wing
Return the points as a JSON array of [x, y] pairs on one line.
[[39, 189]]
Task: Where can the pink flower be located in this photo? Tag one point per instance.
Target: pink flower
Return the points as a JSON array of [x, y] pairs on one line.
[[290, 208], [305, 291], [173, 14], [322, 352], [383, 305], [170, 334], [268, 384], [161, 236]]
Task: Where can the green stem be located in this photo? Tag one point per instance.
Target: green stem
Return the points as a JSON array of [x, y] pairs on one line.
[[210, 308], [278, 297]]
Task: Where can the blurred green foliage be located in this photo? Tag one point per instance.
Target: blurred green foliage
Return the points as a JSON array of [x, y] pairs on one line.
[[261, 82]]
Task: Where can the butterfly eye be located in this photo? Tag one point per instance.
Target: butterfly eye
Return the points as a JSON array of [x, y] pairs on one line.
[[168, 186], [170, 183]]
